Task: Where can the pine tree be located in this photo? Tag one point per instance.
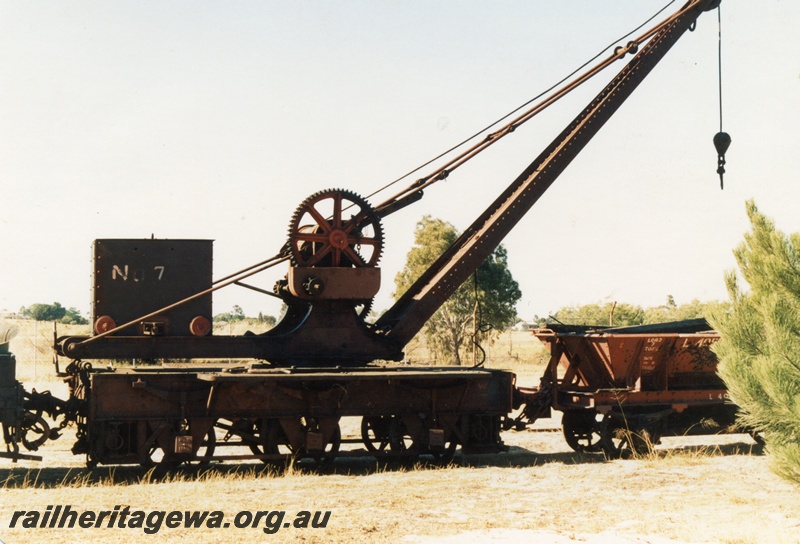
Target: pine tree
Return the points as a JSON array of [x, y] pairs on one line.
[[759, 349]]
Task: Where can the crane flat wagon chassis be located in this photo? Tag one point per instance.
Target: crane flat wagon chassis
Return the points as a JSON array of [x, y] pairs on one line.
[[179, 414]]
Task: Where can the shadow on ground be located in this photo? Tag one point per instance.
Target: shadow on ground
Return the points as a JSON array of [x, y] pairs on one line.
[[360, 465]]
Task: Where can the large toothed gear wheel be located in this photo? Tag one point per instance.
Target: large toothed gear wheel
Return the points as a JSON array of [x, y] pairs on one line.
[[335, 228]]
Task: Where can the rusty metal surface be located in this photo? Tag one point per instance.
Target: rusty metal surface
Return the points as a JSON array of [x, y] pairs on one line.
[[642, 361], [609, 367], [311, 284], [184, 413], [132, 278], [329, 333], [636, 361], [138, 393]]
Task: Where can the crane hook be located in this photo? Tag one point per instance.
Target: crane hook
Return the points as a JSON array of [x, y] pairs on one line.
[[722, 141]]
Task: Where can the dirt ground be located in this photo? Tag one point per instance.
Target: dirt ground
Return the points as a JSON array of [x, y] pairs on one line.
[[694, 489]]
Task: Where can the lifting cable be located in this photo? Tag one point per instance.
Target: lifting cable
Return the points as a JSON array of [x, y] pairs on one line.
[[443, 172], [722, 140], [478, 326]]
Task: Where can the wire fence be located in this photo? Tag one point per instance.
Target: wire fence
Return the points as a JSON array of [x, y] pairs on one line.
[[32, 347], [514, 350]]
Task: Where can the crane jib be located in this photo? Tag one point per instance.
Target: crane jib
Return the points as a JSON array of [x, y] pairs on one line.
[[409, 314]]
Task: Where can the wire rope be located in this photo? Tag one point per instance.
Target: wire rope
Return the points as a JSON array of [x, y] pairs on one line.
[[520, 107]]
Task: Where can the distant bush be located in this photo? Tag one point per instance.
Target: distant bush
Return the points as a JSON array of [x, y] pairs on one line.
[[53, 312], [237, 315], [601, 314]]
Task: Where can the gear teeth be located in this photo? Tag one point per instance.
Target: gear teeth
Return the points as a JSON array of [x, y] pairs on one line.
[[297, 259]]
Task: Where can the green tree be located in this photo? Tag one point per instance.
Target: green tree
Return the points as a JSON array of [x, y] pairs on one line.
[[759, 349], [236, 314], [623, 315], [267, 319], [493, 289], [44, 312], [691, 310], [53, 312], [73, 317]]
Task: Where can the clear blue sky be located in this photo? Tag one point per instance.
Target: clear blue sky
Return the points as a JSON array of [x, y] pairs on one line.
[[216, 119]]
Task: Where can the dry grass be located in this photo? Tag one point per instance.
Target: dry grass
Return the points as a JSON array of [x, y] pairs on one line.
[[692, 489]]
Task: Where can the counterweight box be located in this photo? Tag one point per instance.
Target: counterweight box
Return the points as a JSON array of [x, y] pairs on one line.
[[134, 278]]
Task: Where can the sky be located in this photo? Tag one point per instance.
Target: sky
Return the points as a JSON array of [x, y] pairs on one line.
[[215, 120]]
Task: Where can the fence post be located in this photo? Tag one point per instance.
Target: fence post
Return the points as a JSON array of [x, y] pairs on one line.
[[35, 347]]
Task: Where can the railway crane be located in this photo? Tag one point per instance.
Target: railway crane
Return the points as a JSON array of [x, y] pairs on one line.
[[323, 361]]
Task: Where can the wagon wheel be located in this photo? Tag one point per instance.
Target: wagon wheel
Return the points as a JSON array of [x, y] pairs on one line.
[[266, 433], [442, 454], [202, 457], [270, 439], [304, 426], [335, 228], [246, 429], [621, 438], [253, 433], [383, 433], [325, 457], [150, 453], [445, 453], [206, 450], [419, 428], [615, 437], [581, 430]]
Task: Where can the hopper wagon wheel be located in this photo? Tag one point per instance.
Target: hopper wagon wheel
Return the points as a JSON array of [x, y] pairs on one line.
[[621, 437], [335, 228], [582, 430]]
